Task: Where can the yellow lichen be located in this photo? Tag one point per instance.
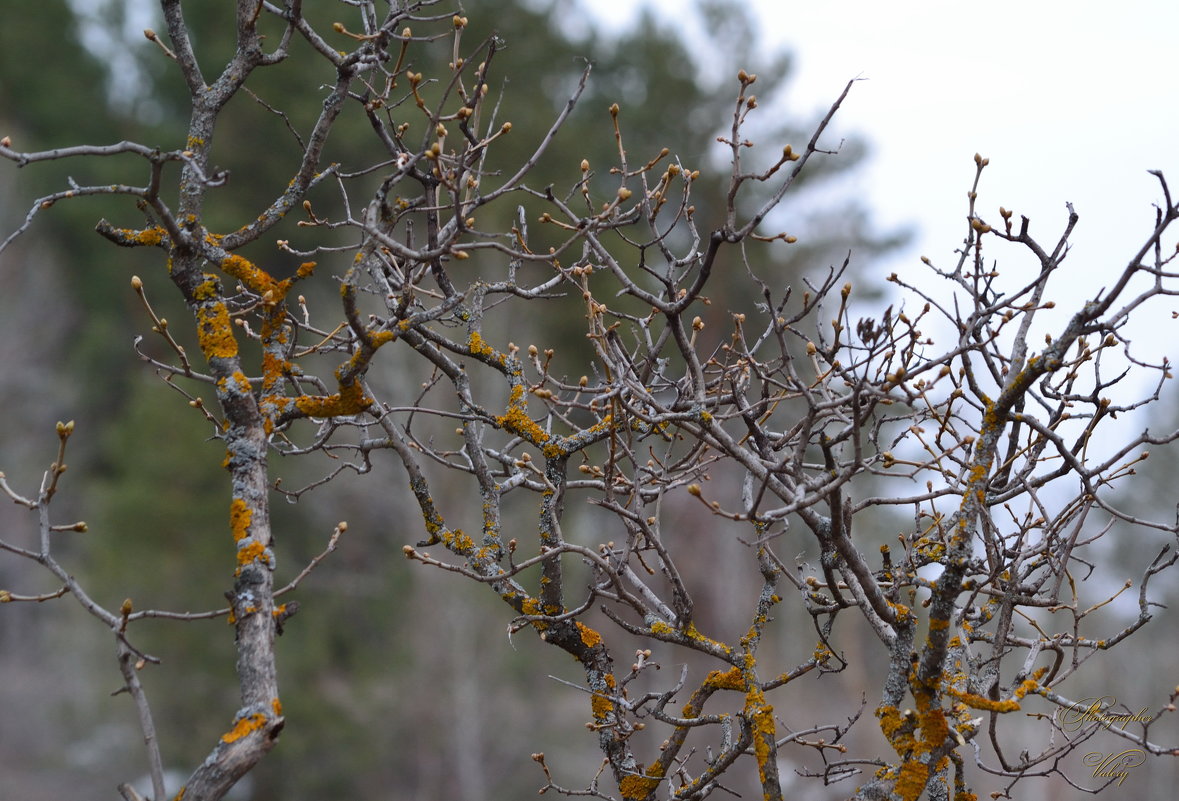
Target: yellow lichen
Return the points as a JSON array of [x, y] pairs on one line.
[[589, 637], [248, 553], [207, 289], [517, 421], [635, 787], [477, 346], [253, 277], [243, 727], [457, 541], [730, 679], [240, 516], [214, 332], [148, 237], [911, 780], [602, 707], [349, 400], [762, 717]]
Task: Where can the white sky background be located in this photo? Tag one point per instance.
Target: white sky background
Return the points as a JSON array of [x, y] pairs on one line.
[[1070, 101]]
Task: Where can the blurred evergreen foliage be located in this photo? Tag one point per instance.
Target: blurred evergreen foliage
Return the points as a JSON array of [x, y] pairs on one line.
[[377, 663]]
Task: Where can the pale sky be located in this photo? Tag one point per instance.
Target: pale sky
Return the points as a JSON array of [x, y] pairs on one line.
[[1070, 101]]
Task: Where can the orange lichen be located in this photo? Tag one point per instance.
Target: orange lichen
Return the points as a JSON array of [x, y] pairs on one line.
[[912, 780], [761, 717], [517, 421], [477, 346], [731, 679], [207, 289], [458, 541], [274, 367], [634, 787], [349, 400], [602, 707], [244, 727], [148, 237], [380, 338], [276, 705], [1007, 705], [214, 332], [240, 516], [248, 553], [240, 383], [589, 637], [253, 277]]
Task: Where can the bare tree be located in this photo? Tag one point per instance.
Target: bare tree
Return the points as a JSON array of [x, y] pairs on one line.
[[796, 427]]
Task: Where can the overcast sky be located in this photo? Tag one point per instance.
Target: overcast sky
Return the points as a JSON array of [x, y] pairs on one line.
[[1070, 101]]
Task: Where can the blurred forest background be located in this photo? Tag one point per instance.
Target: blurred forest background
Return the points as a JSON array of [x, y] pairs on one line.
[[399, 682]]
